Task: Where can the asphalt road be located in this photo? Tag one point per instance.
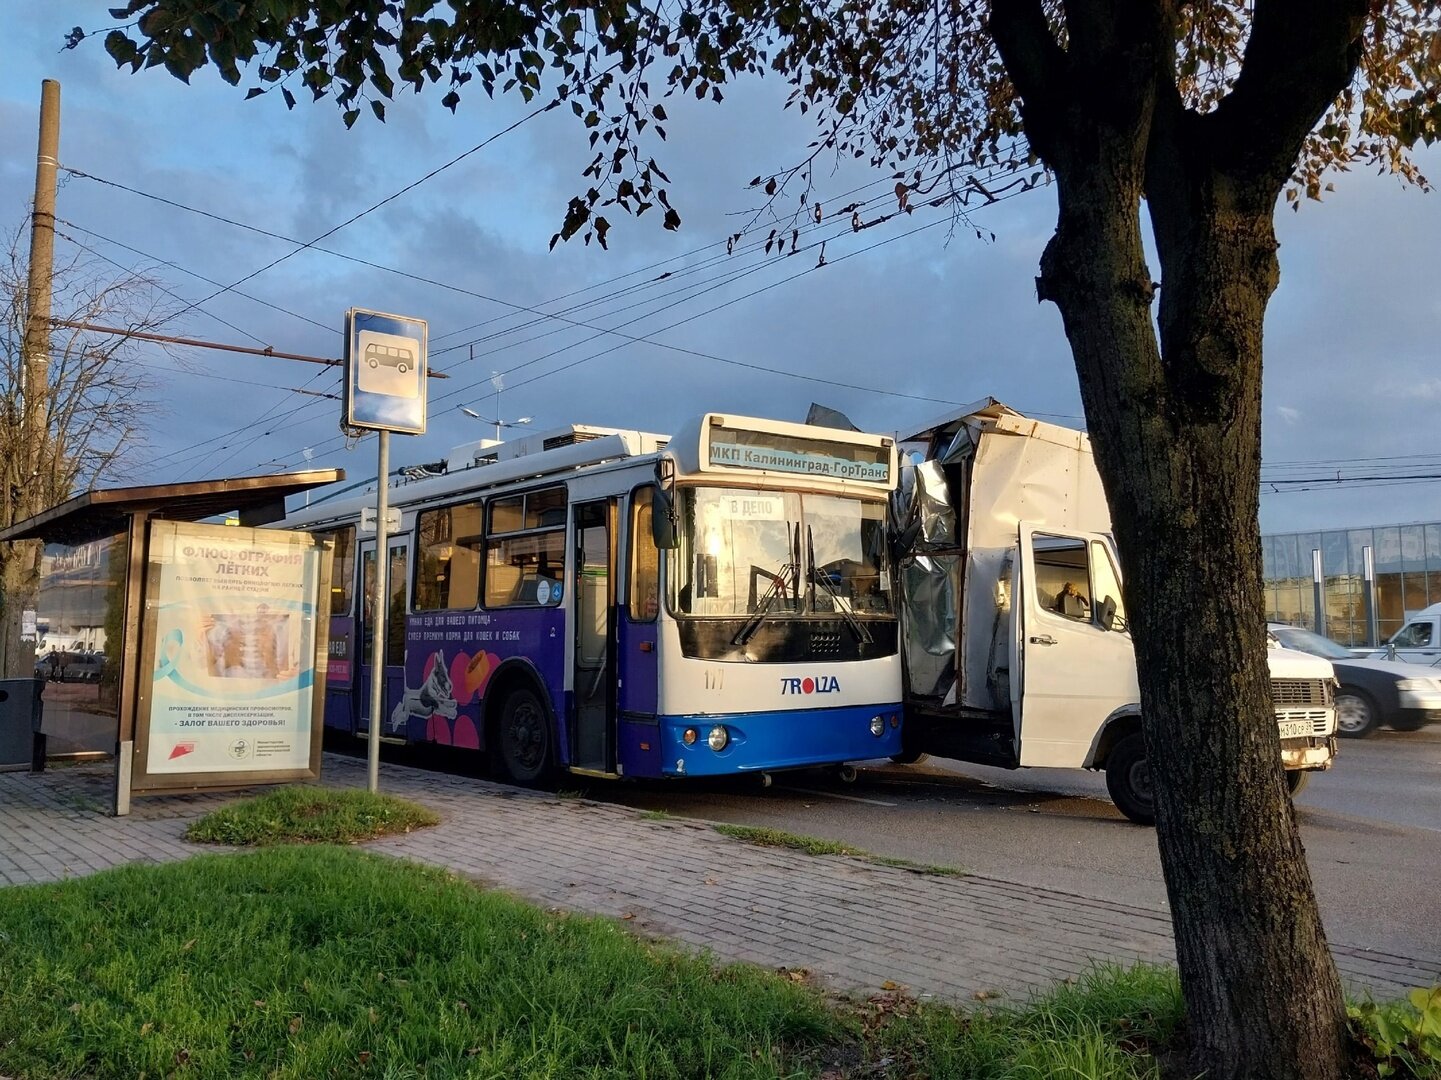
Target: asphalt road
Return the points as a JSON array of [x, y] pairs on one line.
[[1371, 826]]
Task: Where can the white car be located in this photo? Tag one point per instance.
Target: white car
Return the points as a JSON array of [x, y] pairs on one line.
[[1303, 693]]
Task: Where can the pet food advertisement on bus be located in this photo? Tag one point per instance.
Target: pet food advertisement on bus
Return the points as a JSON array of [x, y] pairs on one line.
[[236, 651]]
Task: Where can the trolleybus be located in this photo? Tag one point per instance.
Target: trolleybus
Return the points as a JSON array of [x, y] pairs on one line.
[[614, 603]]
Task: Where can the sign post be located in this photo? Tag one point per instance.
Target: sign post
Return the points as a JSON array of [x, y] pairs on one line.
[[385, 374]]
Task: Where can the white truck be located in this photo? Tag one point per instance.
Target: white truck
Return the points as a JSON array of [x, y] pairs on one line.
[[1015, 645]]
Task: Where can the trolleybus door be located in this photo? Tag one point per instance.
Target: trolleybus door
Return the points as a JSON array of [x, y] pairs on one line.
[[393, 649], [593, 670]]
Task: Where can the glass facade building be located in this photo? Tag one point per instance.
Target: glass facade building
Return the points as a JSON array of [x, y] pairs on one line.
[[1406, 577]]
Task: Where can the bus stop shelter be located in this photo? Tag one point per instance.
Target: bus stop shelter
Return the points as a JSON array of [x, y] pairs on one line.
[[112, 558]]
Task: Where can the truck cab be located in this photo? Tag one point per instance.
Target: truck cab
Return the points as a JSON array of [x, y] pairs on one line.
[[1016, 645]]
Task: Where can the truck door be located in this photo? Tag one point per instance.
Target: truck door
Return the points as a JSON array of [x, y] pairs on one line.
[[1074, 664]]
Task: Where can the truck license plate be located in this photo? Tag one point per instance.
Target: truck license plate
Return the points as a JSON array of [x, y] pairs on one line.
[[1295, 729]]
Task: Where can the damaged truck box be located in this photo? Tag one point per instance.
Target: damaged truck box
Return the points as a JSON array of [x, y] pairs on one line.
[[1015, 641]]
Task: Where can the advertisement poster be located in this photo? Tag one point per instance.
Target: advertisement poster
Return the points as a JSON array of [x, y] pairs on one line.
[[231, 624]]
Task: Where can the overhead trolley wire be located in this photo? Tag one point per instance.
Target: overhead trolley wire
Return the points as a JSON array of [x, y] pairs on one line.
[[576, 323], [327, 444], [308, 244], [197, 275], [726, 241]]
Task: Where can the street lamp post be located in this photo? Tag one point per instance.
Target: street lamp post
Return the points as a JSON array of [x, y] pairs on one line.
[[497, 422]]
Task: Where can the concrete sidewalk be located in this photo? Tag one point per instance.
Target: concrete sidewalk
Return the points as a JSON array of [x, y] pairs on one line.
[[855, 924]]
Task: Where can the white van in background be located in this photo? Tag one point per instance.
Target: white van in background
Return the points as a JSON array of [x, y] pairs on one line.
[[1418, 642]]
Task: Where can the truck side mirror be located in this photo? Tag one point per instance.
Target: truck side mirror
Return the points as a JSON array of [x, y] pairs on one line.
[[1108, 613]]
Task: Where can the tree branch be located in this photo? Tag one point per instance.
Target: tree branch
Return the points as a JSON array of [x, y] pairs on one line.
[[1300, 56], [1037, 65]]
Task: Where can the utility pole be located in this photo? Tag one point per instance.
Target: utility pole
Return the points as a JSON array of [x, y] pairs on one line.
[[36, 363], [24, 471]]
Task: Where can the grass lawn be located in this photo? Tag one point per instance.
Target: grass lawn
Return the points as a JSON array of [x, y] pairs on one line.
[[296, 813], [318, 961]]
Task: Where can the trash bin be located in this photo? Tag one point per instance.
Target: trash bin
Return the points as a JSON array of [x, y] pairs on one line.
[[19, 721]]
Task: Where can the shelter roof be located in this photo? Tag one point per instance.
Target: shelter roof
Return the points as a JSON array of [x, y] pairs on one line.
[[96, 514]]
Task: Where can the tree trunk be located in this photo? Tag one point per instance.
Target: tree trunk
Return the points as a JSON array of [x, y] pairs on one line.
[[1176, 429]]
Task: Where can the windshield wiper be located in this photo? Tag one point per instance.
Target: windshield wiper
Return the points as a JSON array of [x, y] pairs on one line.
[[767, 601], [823, 580]]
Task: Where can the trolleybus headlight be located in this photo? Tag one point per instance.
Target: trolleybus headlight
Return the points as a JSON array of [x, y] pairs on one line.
[[689, 736], [878, 726], [719, 738]]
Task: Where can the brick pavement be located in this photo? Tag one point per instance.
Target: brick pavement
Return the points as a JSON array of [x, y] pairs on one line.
[[855, 924]]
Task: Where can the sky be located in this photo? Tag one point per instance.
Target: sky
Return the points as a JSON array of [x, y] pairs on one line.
[[927, 312]]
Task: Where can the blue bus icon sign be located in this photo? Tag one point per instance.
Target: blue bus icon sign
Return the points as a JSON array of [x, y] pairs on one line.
[[385, 372]]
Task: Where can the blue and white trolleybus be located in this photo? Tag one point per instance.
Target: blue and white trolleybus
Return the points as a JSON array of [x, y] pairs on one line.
[[614, 603]]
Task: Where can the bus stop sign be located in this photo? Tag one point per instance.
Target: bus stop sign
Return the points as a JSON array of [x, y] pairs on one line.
[[385, 372]]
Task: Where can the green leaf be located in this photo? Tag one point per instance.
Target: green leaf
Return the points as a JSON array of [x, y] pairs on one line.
[[378, 108], [121, 49]]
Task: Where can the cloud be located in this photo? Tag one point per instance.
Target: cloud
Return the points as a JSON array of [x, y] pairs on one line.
[[938, 317]]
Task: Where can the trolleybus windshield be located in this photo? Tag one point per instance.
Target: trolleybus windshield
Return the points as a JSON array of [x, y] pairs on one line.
[[744, 549]]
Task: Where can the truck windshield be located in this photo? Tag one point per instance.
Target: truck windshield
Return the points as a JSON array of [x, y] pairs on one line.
[[744, 550]]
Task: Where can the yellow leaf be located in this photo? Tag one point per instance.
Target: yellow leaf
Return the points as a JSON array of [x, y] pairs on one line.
[[295, 1025], [146, 1028], [188, 945]]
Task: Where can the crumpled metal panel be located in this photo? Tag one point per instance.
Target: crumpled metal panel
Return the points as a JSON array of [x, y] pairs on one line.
[[962, 446], [929, 588], [933, 504]]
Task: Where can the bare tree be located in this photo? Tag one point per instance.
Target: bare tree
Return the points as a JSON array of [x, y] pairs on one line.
[[98, 401]]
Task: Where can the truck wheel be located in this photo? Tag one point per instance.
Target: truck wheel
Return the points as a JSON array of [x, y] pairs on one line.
[[524, 737], [1356, 716], [1128, 779], [1296, 780]]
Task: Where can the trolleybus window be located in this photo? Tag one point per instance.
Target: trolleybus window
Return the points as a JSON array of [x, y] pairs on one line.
[[342, 570], [447, 574], [644, 582], [525, 549]]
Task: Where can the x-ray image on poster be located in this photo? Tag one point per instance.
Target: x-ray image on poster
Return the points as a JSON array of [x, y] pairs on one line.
[[232, 685]]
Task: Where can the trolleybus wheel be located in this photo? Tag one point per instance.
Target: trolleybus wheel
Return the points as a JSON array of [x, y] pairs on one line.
[[910, 757], [524, 732], [1128, 779]]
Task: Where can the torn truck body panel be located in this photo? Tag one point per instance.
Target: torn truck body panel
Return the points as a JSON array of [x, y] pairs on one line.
[[1015, 642]]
